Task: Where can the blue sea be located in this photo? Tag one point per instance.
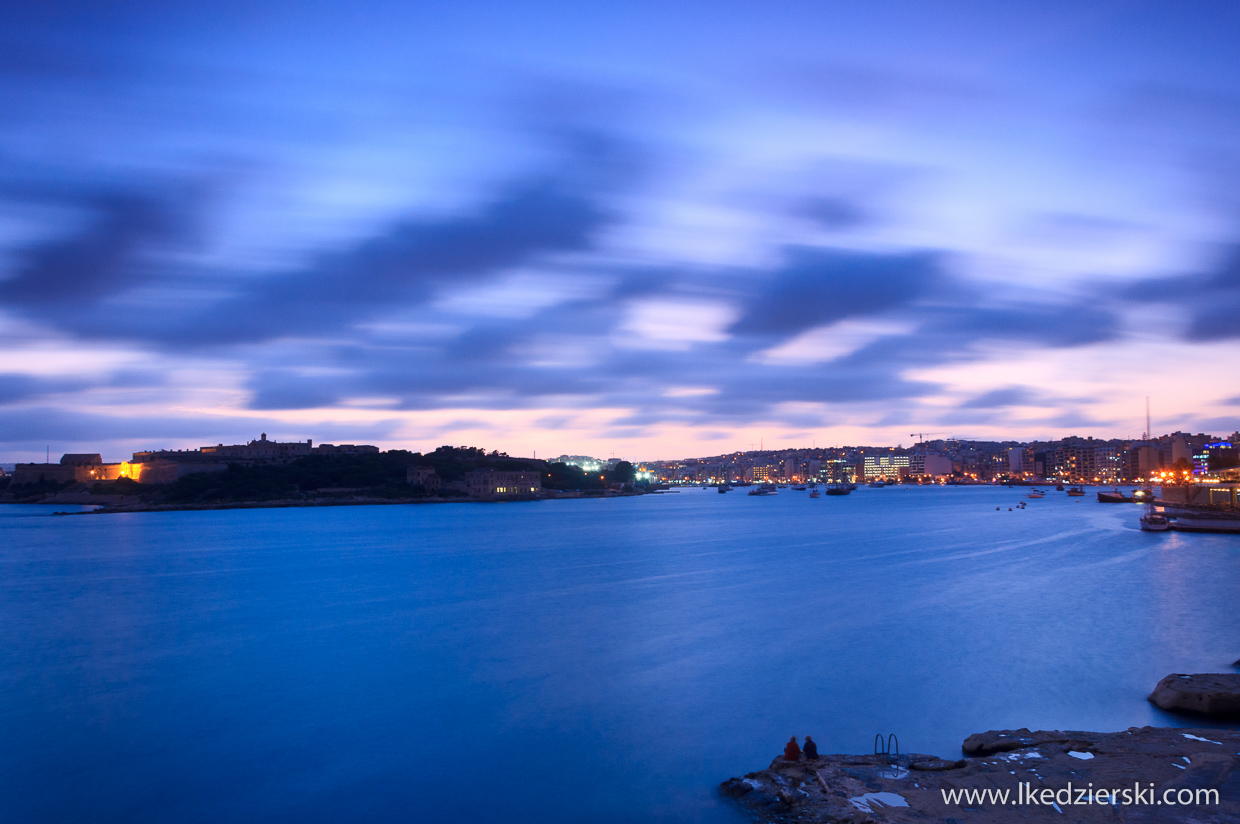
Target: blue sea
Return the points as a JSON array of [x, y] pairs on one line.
[[566, 661]]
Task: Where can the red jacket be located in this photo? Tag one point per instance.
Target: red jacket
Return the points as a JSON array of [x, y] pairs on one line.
[[791, 751]]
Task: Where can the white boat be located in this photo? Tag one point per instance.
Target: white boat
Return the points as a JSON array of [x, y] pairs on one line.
[[1153, 521], [814, 493]]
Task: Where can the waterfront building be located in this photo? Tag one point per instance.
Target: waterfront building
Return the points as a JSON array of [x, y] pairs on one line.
[[424, 476], [254, 451], [885, 466], [1108, 464], [491, 483], [928, 466], [762, 472], [90, 469], [1144, 461]]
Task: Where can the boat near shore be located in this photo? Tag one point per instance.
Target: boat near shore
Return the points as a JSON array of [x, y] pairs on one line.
[[1115, 496], [1154, 521], [1201, 519]]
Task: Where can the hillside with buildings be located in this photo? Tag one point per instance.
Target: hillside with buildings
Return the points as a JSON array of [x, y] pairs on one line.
[[262, 471], [1072, 460]]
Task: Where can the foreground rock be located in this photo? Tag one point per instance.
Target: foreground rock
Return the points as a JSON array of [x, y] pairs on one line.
[[1197, 772], [1215, 694]]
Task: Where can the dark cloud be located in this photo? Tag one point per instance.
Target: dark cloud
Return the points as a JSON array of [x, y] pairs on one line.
[[276, 389], [1212, 299], [16, 388], [834, 213], [818, 287], [1217, 302], [62, 278], [1224, 425], [405, 266], [1075, 324], [1001, 398]]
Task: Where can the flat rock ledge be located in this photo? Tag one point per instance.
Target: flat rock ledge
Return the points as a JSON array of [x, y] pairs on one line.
[[911, 788], [1216, 694]]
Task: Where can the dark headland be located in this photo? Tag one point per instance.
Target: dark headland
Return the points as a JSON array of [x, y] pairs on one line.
[[265, 473]]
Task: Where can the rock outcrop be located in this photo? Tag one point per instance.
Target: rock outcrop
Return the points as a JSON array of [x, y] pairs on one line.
[[1198, 771], [1215, 694]]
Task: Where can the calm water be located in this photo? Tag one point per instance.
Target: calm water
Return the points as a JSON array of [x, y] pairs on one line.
[[566, 660]]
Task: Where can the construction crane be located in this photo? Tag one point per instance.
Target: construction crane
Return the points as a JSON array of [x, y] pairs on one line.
[[921, 436]]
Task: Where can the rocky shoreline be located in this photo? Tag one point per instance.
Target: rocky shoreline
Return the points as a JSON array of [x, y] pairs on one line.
[[1155, 762]]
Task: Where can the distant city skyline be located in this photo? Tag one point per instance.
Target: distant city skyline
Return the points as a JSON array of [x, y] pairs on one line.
[[587, 229]]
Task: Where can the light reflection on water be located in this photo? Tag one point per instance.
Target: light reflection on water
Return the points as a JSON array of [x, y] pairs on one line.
[[570, 660]]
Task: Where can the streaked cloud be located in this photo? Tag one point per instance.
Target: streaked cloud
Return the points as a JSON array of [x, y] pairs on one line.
[[618, 230]]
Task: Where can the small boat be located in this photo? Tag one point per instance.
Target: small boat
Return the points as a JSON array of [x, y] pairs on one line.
[[1153, 521], [814, 493], [1036, 494], [876, 484], [763, 490], [724, 488], [1075, 492], [1114, 497], [798, 489], [1059, 488], [838, 489]]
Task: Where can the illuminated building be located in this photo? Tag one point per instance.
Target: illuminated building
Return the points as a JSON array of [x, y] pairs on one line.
[[885, 466]]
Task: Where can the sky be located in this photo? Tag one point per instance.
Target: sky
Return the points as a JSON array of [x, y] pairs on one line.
[[646, 230]]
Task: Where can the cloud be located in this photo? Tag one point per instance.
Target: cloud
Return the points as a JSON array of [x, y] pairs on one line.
[[1001, 398], [1212, 299], [68, 276], [834, 213], [406, 266], [16, 388], [818, 287]]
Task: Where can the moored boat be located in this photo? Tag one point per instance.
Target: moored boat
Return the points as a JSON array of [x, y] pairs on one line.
[[1153, 521], [1036, 494], [1114, 497], [1076, 492]]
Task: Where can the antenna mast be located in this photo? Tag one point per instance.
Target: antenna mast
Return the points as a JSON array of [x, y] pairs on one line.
[[1148, 433]]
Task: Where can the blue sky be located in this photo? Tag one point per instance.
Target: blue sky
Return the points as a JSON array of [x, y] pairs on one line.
[[651, 230]]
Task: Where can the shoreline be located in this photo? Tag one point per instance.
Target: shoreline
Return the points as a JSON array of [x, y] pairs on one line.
[[1160, 762], [112, 507]]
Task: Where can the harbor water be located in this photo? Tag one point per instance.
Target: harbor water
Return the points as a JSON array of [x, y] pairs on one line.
[[567, 661]]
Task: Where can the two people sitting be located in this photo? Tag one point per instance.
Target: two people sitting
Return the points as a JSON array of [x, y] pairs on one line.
[[792, 752]]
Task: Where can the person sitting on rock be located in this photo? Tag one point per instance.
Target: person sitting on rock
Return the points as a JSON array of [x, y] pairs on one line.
[[791, 751], [811, 749]]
